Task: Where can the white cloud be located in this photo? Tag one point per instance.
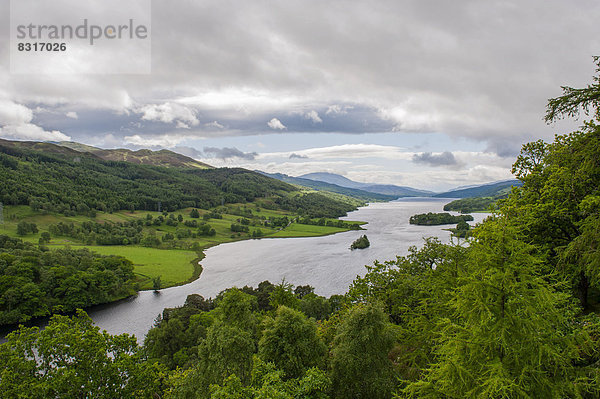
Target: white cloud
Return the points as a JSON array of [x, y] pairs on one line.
[[165, 141], [313, 116], [15, 123], [351, 151], [276, 124], [72, 115], [29, 131], [214, 124], [170, 112], [338, 109], [14, 114]]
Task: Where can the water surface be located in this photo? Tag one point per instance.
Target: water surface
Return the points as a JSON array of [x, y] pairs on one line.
[[325, 263]]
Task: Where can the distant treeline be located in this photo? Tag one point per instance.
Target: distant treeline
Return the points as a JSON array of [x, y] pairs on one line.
[[329, 223], [434, 219], [475, 204]]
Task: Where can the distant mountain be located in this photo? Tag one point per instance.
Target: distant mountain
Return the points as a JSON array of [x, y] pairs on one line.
[[385, 189], [484, 190], [334, 188], [145, 157], [332, 178]]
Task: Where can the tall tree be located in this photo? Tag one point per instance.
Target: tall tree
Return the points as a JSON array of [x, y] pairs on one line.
[[360, 365], [510, 332], [290, 341]]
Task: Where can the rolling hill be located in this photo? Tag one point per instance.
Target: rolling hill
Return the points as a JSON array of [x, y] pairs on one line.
[[385, 189], [144, 157], [334, 188], [484, 190]]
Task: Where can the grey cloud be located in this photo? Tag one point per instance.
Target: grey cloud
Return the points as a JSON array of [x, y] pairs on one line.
[[481, 70], [504, 148], [187, 151], [298, 156], [229, 152], [446, 158]]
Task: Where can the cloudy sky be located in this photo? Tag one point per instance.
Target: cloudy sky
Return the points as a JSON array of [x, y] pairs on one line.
[[430, 94]]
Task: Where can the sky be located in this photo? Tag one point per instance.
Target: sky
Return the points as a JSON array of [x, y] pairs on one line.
[[427, 94]]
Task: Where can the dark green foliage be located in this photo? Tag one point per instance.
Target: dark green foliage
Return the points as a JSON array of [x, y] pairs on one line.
[[120, 233], [45, 238], [360, 364], [558, 204], [330, 223], [279, 222], [435, 219], [194, 213], [212, 215], [36, 283], [262, 294], [53, 182], [283, 295], [290, 341], [361, 243], [239, 228], [509, 333], [206, 230], [314, 205], [573, 100], [462, 229], [156, 283], [24, 228], [475, 204], [177, 333]]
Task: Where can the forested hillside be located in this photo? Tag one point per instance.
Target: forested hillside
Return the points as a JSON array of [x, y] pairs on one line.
[[71, 182]]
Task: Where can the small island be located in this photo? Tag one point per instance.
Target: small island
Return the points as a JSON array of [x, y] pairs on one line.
[[435, 219], [360, 243]]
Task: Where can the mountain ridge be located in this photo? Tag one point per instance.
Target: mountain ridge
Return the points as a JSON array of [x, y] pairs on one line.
[[385, 189]]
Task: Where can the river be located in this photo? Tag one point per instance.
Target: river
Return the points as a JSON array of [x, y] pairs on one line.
[[325, 263]]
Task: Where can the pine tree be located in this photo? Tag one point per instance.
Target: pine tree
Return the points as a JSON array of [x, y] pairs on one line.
[[509, 336]]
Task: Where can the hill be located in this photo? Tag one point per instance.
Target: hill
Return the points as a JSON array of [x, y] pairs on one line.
[[59, 179], [145, 157], [484, 190], [385, 189], [334, 188]]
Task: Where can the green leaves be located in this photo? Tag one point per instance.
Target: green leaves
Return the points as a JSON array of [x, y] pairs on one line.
[[509, 333], [72, 358]]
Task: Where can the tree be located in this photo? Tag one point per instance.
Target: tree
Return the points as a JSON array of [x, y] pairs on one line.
[[45, 238], [283, 295], [509, 335], [156, 283], [290, 341], [194, 213], [71, 358], [227, 350], [574, 100], [360, 364]]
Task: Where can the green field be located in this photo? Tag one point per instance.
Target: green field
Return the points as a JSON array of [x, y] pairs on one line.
[[174, 266]]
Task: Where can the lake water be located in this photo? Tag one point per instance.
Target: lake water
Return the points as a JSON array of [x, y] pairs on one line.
[[325, 263]]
